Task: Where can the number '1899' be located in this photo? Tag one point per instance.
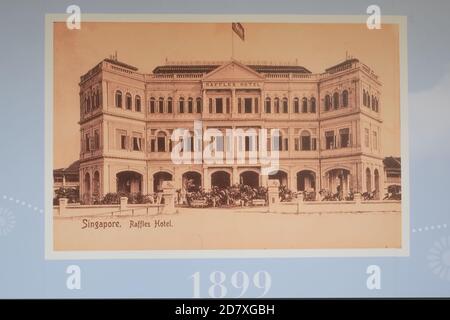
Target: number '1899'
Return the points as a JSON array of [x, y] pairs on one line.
[[240, 280]]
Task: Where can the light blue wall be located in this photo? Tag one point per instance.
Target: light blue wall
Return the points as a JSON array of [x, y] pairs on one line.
[[25, 273]]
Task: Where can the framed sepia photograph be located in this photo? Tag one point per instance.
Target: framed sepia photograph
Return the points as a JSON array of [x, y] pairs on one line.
[[225, 136]]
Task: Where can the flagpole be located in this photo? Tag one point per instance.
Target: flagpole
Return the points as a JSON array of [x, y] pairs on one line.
[[232, 43]]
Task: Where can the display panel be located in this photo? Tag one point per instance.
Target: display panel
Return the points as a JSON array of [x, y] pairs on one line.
[[225, 154], [291, 150]]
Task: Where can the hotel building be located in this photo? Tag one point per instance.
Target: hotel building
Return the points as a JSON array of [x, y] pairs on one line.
[[330, 125]]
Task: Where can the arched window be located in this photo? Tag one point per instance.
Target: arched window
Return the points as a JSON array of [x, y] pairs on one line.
[[98, 98], [93, 101], [92, 98], [137, 103], [268, 105], [277, 142], [169, 105], [86, 104], [313, 105], [336, 100], [368, 180], [285, 105], [161, 105], [219, 105], [376, 105], [96, 140], [376, 176], [345, 98], [118, 99], [344, 137], [190, 105], [304, 105], [296, 105], [96, 184], [375, 140], [210, 105], [368, 100], [128, 101], [152, 105], [364, 98], [305, 140], [87, 183], [373, 103], [199, 105], [181, 105], [161, 142], [277, 105], [327, 102]]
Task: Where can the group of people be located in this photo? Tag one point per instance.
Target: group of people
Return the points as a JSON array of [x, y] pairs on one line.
[[244, 195], [327, 195], [235, 195], [241, 195]]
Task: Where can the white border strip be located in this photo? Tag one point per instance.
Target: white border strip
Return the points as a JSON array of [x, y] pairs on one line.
[[50, 254]]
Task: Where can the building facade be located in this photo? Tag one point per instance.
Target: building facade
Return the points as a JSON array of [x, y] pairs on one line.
[[67, 177], [393, 171], [330, 125]]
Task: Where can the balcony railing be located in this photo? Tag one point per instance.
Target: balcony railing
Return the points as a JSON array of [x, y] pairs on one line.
[[182, 76]]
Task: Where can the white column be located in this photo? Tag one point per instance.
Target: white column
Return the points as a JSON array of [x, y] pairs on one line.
[[233, 102], [205, 107], [264, 180], [262, 103], [105, 93], [169, 197], [62, 206], [235, 176], [273, 195], [206, 179]]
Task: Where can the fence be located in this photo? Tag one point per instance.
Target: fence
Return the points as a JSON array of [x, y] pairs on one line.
[[358, 205], [297, 206], [123, 209]]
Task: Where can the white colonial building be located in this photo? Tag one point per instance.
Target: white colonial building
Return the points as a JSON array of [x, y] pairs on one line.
[[330, 124]]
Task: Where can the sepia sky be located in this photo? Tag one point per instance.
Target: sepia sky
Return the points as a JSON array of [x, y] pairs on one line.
[[147, 45]]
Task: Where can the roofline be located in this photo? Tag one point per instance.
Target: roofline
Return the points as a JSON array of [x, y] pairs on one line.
[[207, 68], [341, 64], [121, 64]]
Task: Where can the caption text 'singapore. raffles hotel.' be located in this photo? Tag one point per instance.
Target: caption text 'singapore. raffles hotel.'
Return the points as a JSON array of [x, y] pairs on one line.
[[329, 123]]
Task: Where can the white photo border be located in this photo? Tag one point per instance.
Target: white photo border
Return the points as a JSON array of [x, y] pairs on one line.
[[51, 254]]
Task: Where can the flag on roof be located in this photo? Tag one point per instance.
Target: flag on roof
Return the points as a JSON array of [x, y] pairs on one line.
[[239, 30]]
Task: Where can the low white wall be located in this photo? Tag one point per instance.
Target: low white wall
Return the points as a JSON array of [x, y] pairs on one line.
[[107, 210], [339, 206], [300, 207]]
